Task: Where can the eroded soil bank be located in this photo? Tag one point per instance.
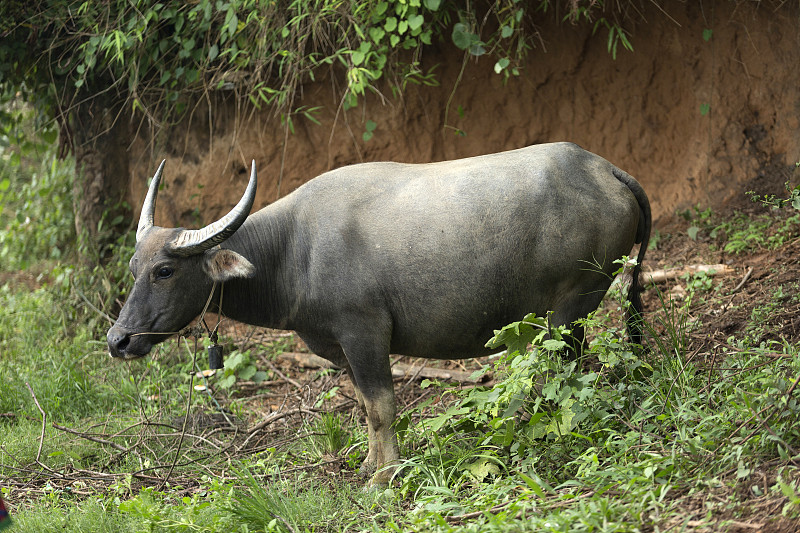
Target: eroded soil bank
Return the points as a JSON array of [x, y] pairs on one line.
[[705, 108]]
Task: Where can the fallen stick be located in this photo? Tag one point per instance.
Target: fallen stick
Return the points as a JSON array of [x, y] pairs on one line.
[[93, 438], [306, 360], [399, 370], [657, 276], [41, 437], [44, 421], [744, 280]]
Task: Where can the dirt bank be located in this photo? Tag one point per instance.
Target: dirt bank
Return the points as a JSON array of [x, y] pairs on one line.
[[705, 108]]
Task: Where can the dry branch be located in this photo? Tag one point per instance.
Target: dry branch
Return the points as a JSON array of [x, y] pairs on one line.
[[744, 280], [306, 360], [44, 421], [274, 417], [399, 370], [657, 276], [93, 438]]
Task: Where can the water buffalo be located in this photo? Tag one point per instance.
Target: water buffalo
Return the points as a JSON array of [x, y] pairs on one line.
[[416, 259]]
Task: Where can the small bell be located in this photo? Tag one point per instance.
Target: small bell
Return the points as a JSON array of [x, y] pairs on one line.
[[215, 357]]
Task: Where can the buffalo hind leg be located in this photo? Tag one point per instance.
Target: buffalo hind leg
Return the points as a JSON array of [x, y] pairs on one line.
[[576, 341], [573, 310], [371, 376], [333, 352]]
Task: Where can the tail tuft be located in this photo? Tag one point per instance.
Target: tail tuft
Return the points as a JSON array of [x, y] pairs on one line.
[[634, 319]]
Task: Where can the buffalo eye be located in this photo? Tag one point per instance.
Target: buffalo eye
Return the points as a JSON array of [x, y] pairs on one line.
[[164, 272]]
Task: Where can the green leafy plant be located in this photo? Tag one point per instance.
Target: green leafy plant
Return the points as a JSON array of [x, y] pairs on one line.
[[240, 366], [616, 33], [369, 130], [747, 233], [329, 435], [35, 194], [744, 232], [157, 56], [771, 200], [449, 464], [538, 383]]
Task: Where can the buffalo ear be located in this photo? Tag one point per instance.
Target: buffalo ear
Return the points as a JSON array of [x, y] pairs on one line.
[[223, 265]]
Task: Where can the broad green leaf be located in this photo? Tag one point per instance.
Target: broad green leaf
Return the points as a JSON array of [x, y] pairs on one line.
[[436, 423], [425, 37], [376, 34], [552, 345], [231, 21], [462, 37], [537, 485], [787, 490], [415, 22], [501, 65], [477, 49], [234, 360], [247, 372], [381, 8], [227, 382], [482, 468]]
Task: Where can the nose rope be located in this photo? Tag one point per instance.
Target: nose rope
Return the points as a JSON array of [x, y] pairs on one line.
[[208, 302], [215, 350], [187, 331], [213, 334]]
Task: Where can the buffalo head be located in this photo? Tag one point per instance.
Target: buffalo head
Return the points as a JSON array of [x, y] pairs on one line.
[[174, 271]]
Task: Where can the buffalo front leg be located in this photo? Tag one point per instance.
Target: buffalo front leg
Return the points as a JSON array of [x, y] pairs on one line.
[[372, 378], [370, 464]]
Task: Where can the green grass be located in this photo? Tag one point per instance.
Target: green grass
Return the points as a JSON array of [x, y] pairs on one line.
[[623, 445], [56, 513]]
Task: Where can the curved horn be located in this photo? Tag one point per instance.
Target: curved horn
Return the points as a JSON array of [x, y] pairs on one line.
[[190, 242], [149, 205]]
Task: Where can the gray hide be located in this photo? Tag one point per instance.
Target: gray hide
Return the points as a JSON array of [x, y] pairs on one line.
[[422, 260]]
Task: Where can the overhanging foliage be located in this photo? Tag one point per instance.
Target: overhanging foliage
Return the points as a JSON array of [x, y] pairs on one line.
[[158, 57]]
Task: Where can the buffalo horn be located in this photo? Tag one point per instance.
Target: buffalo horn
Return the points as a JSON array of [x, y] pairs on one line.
[[149, 205], [190, 242]]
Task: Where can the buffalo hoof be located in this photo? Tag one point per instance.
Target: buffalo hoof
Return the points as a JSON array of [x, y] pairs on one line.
[[367, 468], [383, 476]]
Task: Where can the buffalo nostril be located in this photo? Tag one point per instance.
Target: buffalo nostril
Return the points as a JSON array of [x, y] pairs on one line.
[[117, 342], [123, 343]]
